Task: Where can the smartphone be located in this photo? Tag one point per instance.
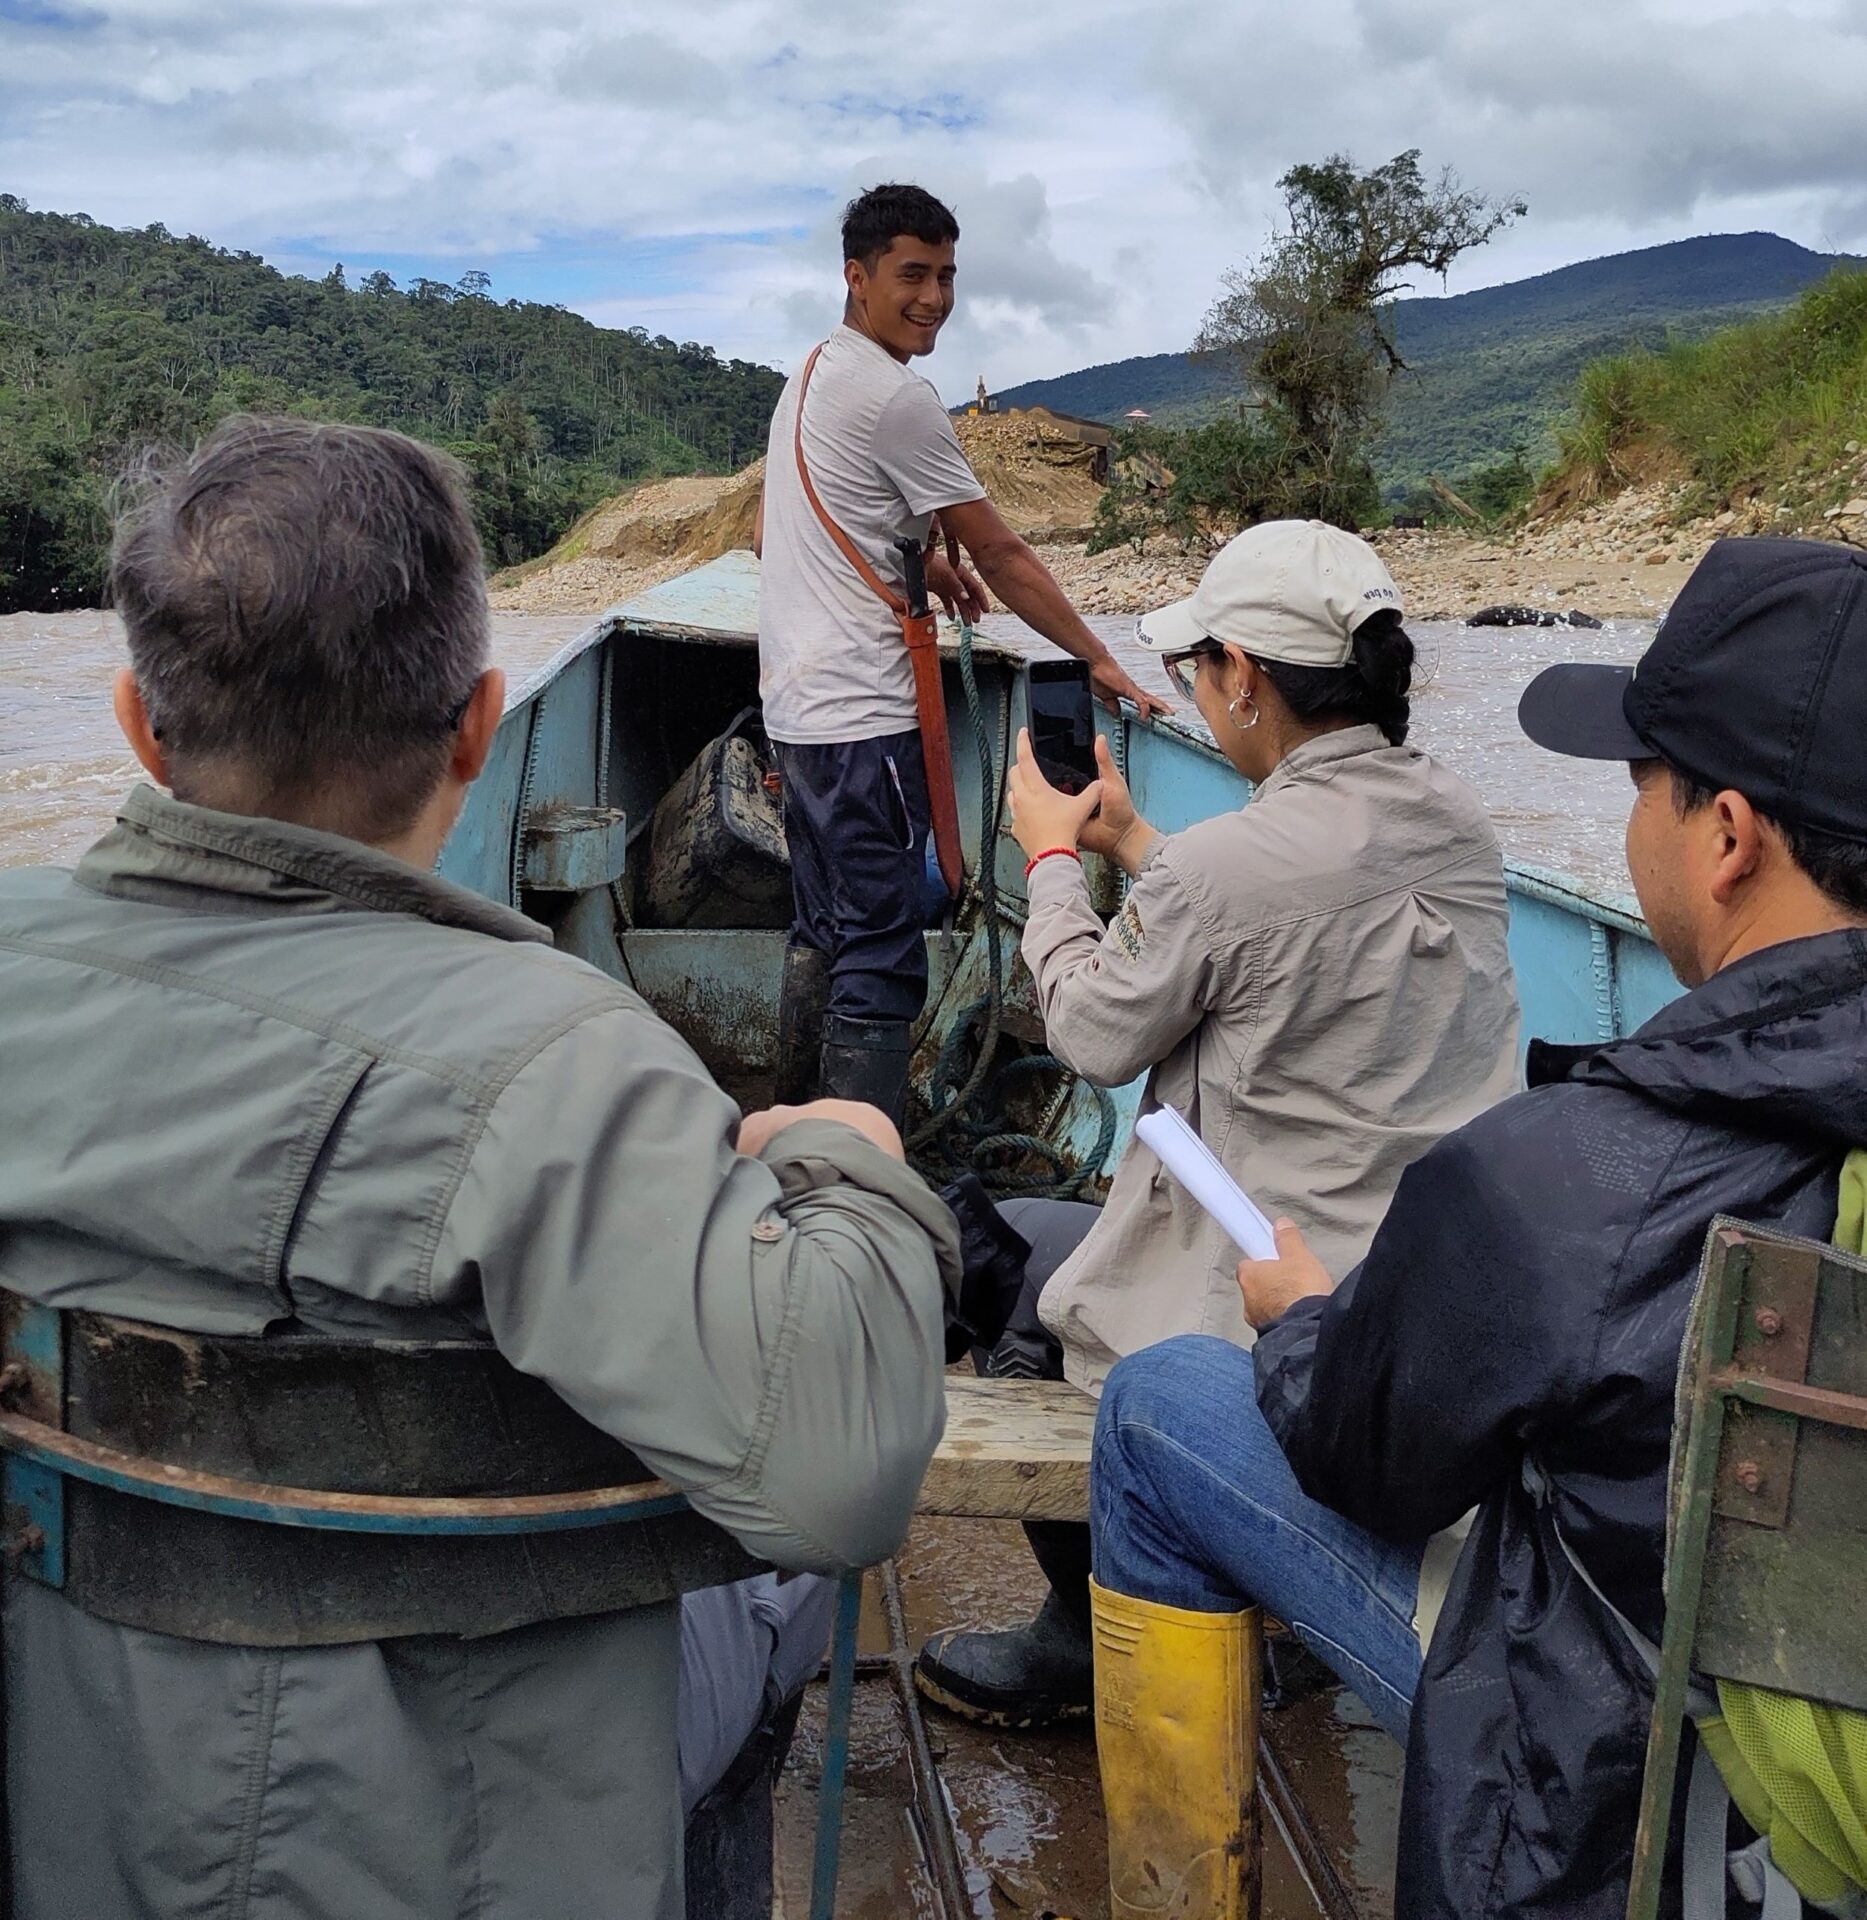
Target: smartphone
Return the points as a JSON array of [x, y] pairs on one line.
[[1063, 723]]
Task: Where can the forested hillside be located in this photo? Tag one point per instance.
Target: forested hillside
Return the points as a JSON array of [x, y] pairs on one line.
[[1492, 370], [1769, 416], [112, 341]]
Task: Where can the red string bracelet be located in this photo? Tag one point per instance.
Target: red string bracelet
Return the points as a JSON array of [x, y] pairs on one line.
[[1069, 853]]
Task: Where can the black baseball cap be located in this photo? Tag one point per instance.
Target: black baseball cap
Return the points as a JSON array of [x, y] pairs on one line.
[[1756, 680]]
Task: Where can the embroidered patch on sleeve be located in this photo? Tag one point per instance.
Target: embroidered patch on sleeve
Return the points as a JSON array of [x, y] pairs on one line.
[[1127, 931]]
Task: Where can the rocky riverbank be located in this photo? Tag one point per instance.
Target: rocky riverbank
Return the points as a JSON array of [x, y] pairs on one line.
[[1441, 575], [1622, 558]]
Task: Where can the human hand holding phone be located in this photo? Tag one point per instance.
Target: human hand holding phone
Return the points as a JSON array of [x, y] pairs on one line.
[[1116, 830], [1041, 817]]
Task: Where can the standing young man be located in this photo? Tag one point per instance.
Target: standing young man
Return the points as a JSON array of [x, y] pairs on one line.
[[836, 680]]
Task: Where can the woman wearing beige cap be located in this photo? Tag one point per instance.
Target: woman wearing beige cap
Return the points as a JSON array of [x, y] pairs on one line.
[[1318, 982]]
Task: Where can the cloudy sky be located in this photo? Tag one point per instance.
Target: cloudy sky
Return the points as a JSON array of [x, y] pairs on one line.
[[682, 166]]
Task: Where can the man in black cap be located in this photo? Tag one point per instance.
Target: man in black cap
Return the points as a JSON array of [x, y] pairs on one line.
[[1511, 1342]]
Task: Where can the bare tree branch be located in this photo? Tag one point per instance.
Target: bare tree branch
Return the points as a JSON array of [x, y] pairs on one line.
[[1312, 317]]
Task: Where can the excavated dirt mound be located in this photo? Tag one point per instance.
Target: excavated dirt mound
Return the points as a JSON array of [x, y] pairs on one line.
[[693, 519], [636, 541], [1044, 486]]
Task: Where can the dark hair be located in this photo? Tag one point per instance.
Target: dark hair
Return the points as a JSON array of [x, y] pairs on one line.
[[874, 221], [1837, 866], [1371, 691], [306, 611]]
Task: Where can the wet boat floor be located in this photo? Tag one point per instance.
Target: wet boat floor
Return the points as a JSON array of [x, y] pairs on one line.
[[1027, 1807]]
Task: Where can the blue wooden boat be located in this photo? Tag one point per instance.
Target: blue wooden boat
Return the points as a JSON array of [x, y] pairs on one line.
[[560, 825], [592, 740]]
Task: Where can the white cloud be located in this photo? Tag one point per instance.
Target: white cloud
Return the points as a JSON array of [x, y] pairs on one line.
[[681, 167]]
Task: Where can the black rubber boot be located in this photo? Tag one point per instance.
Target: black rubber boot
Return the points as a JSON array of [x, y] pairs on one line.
[[729, 1835], [866, 1060], [803, 999], [1291, 1671], [1032, 1676]]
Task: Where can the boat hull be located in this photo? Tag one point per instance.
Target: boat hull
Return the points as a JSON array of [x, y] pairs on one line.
[[610, 722]]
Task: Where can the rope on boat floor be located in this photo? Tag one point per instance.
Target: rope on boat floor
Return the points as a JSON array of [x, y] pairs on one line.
[[967, 1131]]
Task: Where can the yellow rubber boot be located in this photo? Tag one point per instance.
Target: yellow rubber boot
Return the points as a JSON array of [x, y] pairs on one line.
[[1177, 1732]]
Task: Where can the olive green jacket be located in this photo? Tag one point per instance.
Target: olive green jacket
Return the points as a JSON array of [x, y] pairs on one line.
[[252, 1073]]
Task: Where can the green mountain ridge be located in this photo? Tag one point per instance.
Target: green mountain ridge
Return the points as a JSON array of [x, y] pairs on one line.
[[1493, 369], [116, 340]]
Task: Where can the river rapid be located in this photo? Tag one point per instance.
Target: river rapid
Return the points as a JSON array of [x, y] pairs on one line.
[[64, 767]]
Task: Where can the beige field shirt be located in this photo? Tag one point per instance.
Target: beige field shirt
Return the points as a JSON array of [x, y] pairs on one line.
[[884, 459], [1319, 983]]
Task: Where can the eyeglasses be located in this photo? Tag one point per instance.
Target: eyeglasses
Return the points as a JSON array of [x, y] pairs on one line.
[[1181, 668]]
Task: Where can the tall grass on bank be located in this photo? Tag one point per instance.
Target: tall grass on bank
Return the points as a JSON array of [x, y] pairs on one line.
[[1743, 409]]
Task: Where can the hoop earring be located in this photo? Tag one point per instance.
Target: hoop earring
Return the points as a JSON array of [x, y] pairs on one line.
[[1244, 700]]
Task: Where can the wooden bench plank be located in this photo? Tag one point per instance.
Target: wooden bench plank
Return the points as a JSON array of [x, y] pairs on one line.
[[1013, 1450]]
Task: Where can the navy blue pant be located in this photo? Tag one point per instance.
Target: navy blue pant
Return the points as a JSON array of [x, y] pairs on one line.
[[856, 818]]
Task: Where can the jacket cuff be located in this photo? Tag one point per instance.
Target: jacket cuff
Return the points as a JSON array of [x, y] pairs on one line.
[[812, 1154], [1058, 878], [1282, 1360]]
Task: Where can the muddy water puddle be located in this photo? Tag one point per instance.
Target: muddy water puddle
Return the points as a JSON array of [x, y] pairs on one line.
[[1027, 1806]]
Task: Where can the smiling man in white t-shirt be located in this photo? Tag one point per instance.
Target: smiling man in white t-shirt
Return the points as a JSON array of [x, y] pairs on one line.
[[835, 676]]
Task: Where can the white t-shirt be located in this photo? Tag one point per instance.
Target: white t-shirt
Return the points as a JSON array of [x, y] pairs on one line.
[[884, 459]]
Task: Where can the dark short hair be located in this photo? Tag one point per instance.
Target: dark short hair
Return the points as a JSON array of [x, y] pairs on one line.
[[1372, 690], [306, 612], [874, 221], [1836, 865]]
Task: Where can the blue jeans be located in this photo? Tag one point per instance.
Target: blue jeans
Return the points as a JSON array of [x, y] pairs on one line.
[[1192, 1504]]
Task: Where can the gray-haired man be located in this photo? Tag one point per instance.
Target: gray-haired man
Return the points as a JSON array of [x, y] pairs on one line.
[[266, 1075]]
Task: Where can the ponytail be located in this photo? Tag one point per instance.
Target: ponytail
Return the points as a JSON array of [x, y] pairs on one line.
[[1371, 691]]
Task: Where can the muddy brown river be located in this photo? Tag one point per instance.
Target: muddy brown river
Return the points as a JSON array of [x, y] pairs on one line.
[[1026, 1807], [63, 765]]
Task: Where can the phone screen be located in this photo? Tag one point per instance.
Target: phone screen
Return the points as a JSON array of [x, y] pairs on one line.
[[1063, 723]]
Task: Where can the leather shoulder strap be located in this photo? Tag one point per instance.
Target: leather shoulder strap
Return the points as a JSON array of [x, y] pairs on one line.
[[850, 551]]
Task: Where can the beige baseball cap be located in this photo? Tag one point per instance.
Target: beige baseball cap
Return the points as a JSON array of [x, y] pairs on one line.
[[1291, 590]]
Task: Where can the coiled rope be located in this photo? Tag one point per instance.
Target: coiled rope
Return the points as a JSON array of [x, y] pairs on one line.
[[967, 1131]]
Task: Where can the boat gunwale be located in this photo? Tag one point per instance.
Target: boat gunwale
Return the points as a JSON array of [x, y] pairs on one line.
[[640, 618]]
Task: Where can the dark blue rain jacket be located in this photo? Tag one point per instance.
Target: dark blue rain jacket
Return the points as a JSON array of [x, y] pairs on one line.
[[1527, 1293]]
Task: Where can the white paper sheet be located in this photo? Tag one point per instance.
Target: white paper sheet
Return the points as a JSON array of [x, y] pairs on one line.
[[1191, 1162]]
